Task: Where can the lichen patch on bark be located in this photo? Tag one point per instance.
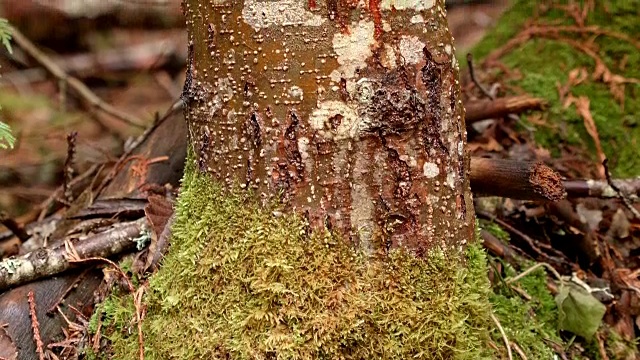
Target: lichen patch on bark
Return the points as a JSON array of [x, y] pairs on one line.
[[264, 14], [408, 4]]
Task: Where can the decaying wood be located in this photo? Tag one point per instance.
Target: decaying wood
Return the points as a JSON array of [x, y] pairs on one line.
[[347, 109], [525, 180], [497, 247], [477, 110], [168, 138], [47, 262]]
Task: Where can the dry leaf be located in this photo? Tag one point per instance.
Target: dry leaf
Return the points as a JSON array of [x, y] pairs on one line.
[[582, 104]]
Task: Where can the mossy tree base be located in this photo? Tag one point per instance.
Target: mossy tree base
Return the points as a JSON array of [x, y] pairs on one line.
[[243, 281]]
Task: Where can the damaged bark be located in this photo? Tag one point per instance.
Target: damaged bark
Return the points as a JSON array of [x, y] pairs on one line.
[[348, 111]]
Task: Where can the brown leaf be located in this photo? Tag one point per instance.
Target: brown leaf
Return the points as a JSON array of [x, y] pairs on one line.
[[8, 349], [159, 212], [582, 104]]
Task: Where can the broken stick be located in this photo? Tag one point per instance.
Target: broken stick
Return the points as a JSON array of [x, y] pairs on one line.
[[477, 110], [523, 180]]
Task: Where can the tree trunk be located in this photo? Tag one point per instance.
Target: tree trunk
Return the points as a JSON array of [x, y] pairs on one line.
[[348, 111]]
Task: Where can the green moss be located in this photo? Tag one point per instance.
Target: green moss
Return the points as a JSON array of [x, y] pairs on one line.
[[544, 63], [528, 323], [244, 283], [241, 282], [494, 229]]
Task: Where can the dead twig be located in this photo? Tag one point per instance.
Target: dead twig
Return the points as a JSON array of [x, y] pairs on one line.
[[504, 335], [558, 257], [629, 188], [80, 88], [136, 294], [17, 229], [75, 185], [524, 180], [477, 110], [68, 166], [475, 80], [624, 199], [35, 325], [519, 350], [47, 261]]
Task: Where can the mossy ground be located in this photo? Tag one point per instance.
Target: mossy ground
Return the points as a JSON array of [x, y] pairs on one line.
[[541, 64]]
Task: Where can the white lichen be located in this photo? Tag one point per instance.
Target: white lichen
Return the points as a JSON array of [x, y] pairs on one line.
[[417, 5], [411, 49], [430, 170], [353, 49], [417, 19], [349, 126], [264, 14]]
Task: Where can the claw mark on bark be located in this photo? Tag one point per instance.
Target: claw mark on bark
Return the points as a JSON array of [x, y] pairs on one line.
[[254, 130], [432, 79]]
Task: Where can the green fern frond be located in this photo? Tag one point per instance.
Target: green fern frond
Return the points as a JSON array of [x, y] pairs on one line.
[[5, 34], [6, 137]]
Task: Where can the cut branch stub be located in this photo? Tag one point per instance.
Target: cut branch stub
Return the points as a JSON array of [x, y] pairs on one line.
[[348, 111]]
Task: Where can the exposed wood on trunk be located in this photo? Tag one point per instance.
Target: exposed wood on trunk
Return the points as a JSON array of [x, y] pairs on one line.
[[350, 111], [477, 110], [525, 180]]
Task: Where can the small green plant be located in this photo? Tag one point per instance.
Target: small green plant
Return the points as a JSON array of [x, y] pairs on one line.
[[7, 140]]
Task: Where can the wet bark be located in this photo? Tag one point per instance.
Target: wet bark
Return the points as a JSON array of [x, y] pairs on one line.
[[346, 110]]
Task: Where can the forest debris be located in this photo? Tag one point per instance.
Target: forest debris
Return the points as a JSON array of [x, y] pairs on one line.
[[35, 326], [629, 188], [627, 202], [136, 294], [160, 214], [586, 242], [582, 104], [8, 349], [75, 84], [477, 110], [17, 229], [524, 180], [620, 225], [588, 216], [46, 262]]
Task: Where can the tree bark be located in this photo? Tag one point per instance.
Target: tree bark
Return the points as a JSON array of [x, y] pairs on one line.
[[348, 111]]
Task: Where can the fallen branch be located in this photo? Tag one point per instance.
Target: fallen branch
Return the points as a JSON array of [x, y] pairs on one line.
[[629, 188], [14, 228], [46, 262], [477, 110], [524, 180], [79, 87], [497, 247]]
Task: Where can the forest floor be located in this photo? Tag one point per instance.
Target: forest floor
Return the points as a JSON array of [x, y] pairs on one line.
[[580, 59]]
